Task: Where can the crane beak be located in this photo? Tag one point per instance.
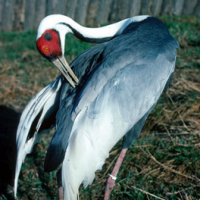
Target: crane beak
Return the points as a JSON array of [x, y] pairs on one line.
[[65, 69]]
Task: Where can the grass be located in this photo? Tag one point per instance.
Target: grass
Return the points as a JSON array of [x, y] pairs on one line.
[[163, 163]]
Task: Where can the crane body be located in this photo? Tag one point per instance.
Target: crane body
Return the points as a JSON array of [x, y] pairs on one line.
[[118, 83]]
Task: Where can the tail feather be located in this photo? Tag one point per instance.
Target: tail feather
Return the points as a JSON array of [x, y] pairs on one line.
[[20, 159], [42, 106]]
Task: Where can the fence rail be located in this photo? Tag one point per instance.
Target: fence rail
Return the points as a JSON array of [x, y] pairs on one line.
[[26, 14]]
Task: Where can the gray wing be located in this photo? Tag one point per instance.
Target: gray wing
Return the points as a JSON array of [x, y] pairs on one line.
[[126, 59]]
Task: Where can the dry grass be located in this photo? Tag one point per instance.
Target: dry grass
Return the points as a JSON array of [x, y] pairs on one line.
[[164, 162]]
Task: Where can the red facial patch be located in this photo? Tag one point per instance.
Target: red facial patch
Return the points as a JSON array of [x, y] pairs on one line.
[[49, 44]]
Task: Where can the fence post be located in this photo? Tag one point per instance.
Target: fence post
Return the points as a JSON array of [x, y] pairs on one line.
[[155, 7], [29, 14], [177, 7], [19, 14], [145, 7], [197, 9], [114, 14], [1, 10], [135, 8], [166, 7], [93, 8], [7, 15], [124, 9], [103, 11], [55, 7], [40, 11], [71, 8], [189, 7], [81, 11]]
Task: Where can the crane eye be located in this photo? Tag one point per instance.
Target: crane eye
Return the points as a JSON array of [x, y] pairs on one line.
[[47, 36], [46, 49]]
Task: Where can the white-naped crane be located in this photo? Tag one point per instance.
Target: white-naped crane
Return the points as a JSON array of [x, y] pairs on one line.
[[110, 90]]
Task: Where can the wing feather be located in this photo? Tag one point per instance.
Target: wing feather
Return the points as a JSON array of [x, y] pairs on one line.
[[41, 107]]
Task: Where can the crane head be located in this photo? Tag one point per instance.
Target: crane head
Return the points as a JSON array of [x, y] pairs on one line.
[[50, 43]]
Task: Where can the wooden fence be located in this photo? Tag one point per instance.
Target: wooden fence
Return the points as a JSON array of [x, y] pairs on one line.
[[26, 14]]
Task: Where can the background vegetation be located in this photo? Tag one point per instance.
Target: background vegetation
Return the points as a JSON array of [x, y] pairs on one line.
[[163, 163]]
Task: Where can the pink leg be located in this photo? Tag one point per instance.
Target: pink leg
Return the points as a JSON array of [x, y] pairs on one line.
[[60, 191], [111, 180], [59, 181]]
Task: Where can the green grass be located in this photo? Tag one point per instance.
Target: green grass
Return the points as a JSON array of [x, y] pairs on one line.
[[165, 159]]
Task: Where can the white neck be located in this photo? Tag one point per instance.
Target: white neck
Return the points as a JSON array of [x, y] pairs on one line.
[[64, 24]]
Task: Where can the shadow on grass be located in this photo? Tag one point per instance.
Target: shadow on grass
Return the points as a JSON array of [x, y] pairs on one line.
[[9, 120]]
